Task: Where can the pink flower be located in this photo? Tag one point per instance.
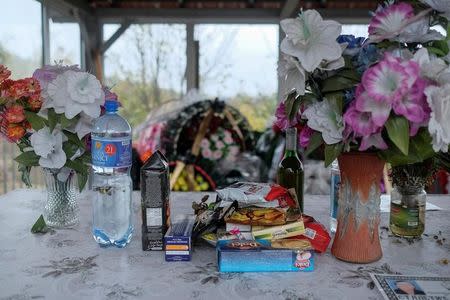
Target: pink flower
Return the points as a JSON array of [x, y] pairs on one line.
[[220, 145], [228, 139], [374, 140], [305, 135], [217, 154], [282, 121], [389, 80], [379, 110], [204, 143], [360, 122], [413, 106], [389, 21], [206, 153]]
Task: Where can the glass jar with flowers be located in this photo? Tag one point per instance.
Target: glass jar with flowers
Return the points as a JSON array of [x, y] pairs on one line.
[[367, 102], [49, 117]]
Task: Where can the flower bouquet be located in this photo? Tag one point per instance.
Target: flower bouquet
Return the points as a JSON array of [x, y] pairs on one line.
[[366, 101], [49, 116]]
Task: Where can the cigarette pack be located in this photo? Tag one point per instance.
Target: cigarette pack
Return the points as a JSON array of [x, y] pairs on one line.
[[259, 256], [178, 239]]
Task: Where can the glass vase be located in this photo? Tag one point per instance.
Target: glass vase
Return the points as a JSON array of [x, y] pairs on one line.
[[407, 217], [61, 209]]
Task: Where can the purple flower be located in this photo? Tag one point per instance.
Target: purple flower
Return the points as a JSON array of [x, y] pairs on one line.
[[305, 136], [282, 121], [374, 140], [361, 123]]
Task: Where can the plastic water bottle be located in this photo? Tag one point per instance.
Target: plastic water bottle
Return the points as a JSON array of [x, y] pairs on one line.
[[111, 181], [334, 194]]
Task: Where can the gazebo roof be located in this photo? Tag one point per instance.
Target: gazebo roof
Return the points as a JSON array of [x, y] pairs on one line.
[[210, 11]]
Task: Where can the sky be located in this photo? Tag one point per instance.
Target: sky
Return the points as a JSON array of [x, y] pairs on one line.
[[247, 54]]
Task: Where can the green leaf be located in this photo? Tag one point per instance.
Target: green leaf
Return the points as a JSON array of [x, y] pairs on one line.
[[73, 138], [29, 159], [25, 171], [292, 104], [66, 123], [53, 119], [37, 122], [77, 165], [420, 149], [40, 226], [398, 132], [332, 152], [337, 83], [436, 51], [82, 180], [314, 142], [350, 74], [336, 98], [70, 149]]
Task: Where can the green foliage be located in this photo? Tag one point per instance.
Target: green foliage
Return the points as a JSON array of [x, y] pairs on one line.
[[25, 174], [332, 152], [28, 158], [53, 119], [37, 122], [314, 142], [398, 132], [40, 226], [420, 149], [292, 105], [66, 123]]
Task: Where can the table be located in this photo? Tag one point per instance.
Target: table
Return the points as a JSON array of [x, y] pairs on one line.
[[68, 264]]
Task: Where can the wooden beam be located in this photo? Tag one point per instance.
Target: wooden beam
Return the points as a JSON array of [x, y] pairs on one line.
[[289, 9], [192, 58], [124, 26], [187, 15]]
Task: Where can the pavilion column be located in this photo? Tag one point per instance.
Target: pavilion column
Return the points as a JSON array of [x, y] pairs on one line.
[[192, 59], [92, 40]]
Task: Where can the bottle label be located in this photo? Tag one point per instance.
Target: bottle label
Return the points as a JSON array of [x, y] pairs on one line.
[[113, 154], [404, 217]]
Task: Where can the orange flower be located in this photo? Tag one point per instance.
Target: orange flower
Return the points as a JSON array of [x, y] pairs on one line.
[[4, 73], [15, 132], [35, 102], [14, 114]]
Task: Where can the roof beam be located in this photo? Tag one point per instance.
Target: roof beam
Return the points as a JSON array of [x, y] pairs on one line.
[[186, 15], [124, 26], [67, 8], [289, 8]]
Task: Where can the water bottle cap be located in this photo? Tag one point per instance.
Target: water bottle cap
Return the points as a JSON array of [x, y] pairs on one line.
[[111, 105]]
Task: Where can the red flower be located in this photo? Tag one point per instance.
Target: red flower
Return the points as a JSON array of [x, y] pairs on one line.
[[35, 102], [4, 73], [15, 132], [14, 114]]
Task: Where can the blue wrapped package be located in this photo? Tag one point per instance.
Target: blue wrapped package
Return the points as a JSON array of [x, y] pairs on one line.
[[259, 256]]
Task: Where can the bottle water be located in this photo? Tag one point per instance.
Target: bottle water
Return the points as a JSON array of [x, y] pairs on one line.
[[111, 181], [334, 194]]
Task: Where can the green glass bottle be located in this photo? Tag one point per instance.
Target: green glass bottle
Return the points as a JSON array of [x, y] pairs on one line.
[[290, 169]]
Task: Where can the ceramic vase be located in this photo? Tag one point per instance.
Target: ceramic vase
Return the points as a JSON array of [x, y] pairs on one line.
[[357, 235]]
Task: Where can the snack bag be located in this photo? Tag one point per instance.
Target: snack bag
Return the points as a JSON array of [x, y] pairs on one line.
[[316, 234], [257, 194], [258, 216]]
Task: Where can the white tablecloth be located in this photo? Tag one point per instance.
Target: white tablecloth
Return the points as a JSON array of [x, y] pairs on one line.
[[68, 264]]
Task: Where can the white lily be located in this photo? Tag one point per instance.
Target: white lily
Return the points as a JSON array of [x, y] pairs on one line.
[[431, 67], [311, 39], [442, 6], [49, 147], [292, 75], [438, 99], [323, 116]]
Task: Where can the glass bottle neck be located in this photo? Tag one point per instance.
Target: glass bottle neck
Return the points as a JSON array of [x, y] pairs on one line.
[[291, 141]]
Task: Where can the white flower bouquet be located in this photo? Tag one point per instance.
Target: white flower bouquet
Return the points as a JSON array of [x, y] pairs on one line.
[[49, 117]]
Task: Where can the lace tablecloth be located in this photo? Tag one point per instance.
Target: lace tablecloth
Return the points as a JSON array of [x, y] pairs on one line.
[[68, 264]]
